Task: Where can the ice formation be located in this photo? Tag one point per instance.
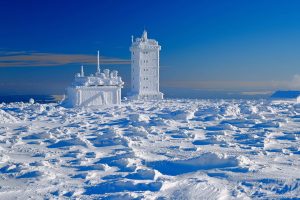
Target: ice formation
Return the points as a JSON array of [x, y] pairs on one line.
[[293, 96], [95, 90], [171, 149], [145, 68], [105, 88], [6, 117]]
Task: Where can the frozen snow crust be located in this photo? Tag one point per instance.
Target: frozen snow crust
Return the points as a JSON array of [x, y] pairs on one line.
[[170, 149]]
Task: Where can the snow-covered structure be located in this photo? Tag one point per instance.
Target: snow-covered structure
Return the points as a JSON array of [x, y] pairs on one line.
[[145, 68], [290, 96], [95, 90]]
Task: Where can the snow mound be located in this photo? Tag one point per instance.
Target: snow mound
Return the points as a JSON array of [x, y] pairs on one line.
[[30, 174], [207, 110], [6, 117], [137, 131], [137, 118], [202, 162], [230, 110], [182, 115], [142, 174], [3, 158], [121, 186], [69, 142]]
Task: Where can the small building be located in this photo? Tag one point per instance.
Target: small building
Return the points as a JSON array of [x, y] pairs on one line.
[[287, 96], [95, 90], [145, 68]]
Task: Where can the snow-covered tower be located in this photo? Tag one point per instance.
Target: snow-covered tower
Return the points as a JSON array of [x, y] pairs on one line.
[[145, 68], [95, 90]]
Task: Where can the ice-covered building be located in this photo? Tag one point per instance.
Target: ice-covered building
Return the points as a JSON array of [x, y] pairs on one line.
[[95, 90], [145, 68]]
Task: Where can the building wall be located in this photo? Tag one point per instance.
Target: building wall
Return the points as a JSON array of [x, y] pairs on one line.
[[94, 96], [145, 71], [135, 71]]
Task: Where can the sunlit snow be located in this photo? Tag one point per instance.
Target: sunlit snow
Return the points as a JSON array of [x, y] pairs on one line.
[[169, 149]]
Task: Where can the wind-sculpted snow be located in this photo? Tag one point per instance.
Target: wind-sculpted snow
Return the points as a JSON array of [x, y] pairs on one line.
[[170, 149], [6, 118], [204, 161]]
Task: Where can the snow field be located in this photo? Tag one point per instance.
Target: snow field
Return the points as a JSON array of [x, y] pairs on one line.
[[170, 149]]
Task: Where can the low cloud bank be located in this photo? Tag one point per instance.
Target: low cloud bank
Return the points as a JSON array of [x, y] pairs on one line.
[[38, 59]]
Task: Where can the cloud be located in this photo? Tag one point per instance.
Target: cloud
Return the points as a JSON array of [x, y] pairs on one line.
[[38, 59]]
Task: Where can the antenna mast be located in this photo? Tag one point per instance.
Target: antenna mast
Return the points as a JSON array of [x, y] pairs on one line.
[[98, 63], [81, 71]]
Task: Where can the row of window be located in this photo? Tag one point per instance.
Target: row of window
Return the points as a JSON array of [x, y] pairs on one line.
[[145, 70], [144, 52], [144, 87], [145, 61], [145, 78]]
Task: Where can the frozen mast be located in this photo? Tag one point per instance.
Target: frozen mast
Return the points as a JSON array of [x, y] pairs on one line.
[[95, 90], [145, 68]]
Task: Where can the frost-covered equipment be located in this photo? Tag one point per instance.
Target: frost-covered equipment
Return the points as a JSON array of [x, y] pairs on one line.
[[145, 68], [95, 90]]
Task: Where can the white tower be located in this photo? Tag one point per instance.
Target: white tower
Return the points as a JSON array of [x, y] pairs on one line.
[[145, 68]]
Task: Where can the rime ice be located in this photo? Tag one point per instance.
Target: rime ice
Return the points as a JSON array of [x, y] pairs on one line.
[[95, 90], [145, 68]]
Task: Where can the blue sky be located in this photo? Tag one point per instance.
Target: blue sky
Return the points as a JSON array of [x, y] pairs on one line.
[[248, 45]]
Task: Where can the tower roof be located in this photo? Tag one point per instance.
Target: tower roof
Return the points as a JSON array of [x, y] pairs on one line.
[[145, 36], [144, 42]]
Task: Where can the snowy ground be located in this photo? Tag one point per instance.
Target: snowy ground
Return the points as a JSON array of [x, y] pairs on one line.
[[173, 149]]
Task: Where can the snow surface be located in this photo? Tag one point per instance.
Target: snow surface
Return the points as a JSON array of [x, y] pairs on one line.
[[170, 149]]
